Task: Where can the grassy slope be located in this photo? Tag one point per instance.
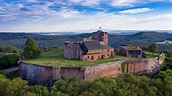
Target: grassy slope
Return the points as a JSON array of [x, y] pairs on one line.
[[56, 58]]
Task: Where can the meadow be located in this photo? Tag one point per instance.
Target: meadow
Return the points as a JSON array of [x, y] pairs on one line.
[[55, 57]]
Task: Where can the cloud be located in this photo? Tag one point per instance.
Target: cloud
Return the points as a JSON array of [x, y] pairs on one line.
[[124, 2], [67, 13], [156, 22], [68, 20], [17, 13], [31, 0], [64, 15], [137, 10], [131, 3], [75, 1], [91, 2]]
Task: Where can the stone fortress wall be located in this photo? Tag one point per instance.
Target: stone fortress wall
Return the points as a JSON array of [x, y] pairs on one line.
[[39, 74]]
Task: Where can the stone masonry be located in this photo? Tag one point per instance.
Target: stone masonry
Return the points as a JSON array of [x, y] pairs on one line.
[[39, 74]]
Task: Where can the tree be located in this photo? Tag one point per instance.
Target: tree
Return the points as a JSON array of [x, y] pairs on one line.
[[15, 87], [31, 49], [0, 49], [168, 53], [39, 90], [130, 42], [9, 49], [153, 48], [8, 61], [164, 74]]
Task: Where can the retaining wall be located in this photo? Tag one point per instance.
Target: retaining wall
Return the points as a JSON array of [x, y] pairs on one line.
[[111, 69], [39, 74], [35, 73], [144, 67]]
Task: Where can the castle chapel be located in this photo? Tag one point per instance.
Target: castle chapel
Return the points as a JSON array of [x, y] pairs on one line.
[[89, 49]]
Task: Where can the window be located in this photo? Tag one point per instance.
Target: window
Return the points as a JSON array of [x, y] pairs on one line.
[[88, 57], [92, 57], [118, 68]]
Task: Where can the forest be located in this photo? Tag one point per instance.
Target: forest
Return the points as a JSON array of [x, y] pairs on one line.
[[123, 85]]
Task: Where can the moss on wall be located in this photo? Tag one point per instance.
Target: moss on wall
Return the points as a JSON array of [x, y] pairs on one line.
[[123, 67], [163, 61]]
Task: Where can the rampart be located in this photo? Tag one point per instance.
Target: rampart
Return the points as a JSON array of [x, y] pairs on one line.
[[143, 67], [39, 74]]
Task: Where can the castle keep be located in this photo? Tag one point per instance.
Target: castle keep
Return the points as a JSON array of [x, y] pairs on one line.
[[89, 49]]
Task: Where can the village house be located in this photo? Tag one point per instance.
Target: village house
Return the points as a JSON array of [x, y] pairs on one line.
[[131, 50], [89, 49]]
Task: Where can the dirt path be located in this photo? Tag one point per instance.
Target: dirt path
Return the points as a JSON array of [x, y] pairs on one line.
[[9, 70]]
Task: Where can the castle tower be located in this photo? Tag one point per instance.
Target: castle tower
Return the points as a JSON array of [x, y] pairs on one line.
[[101, 36]]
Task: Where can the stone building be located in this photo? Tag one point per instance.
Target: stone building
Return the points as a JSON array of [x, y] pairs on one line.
[[131, 50], [91, 48]]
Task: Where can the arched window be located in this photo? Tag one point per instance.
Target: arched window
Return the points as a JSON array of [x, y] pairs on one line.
[[102, 56]]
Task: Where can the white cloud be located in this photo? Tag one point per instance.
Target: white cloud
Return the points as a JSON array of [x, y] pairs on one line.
[[2, 9], [71, 20], [39, 17], [137, 10], [67, 13], [31, 0], [20, 5], [75, 1], [91, 2], [159, 22], [131, 3], [124, 2]]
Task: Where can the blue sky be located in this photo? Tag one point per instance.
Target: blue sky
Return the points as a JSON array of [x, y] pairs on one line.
[[80, 15]]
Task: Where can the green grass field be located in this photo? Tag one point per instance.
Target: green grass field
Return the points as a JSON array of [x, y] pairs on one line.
[[151, 55], [55, 58]]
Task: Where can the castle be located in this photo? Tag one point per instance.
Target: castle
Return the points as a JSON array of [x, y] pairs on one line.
[[89, 49]]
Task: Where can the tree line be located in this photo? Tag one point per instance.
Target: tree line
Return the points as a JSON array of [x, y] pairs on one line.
[[141, 38], [9, 55], [123, 85]]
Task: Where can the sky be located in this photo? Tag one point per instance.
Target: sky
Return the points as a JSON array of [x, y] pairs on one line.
[[81, 15]]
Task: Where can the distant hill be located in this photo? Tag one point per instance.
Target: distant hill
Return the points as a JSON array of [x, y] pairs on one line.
[[141, 38]]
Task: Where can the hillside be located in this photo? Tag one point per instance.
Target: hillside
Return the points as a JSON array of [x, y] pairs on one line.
[[141, 38]]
